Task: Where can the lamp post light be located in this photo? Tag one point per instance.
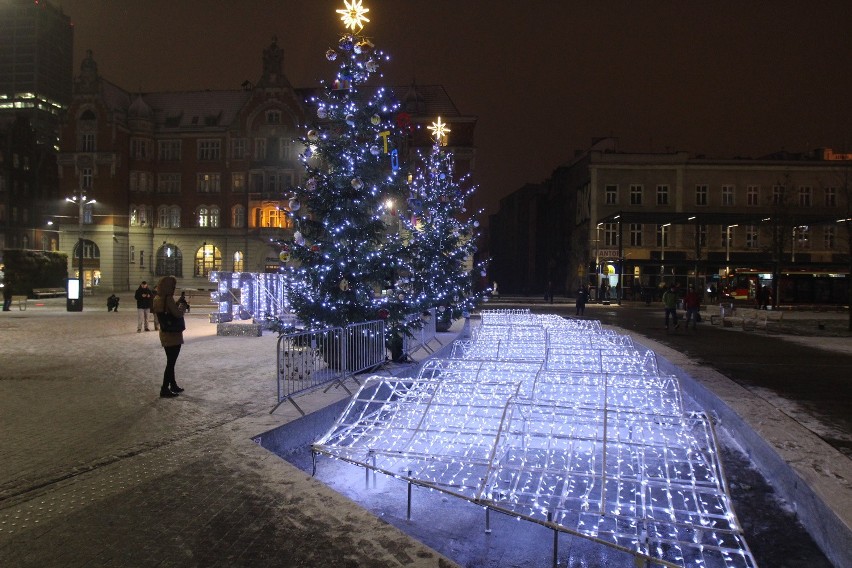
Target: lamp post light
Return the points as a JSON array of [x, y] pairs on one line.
[[728, 251], [663, 249], [82, 201]]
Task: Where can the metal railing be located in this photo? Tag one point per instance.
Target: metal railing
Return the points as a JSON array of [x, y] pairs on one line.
[[312, 359], [420, 335]]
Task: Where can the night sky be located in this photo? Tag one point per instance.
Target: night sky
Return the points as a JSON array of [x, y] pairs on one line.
[[543, 77]]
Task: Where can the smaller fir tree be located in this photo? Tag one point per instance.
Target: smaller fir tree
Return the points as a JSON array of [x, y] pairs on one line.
[[442, 239]]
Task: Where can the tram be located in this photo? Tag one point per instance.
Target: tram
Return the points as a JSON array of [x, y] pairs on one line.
[[794, 286]]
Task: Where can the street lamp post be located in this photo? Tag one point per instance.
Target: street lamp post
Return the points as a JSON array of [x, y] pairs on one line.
[[728, 251], [81, 201], [663, 249]]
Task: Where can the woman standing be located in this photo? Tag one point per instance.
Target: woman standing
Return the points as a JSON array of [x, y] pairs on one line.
[[170, 317]]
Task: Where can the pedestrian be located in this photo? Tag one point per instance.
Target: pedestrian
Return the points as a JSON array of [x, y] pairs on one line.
[[604, 292], [765, 297], [692, 302], [548, 293], [670, 303], [144, 297], [112, 303], [171, 325], [582, 298], [7, 296], [182, 302]]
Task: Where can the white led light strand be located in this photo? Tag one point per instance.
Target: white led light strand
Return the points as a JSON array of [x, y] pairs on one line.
[[557, 422]]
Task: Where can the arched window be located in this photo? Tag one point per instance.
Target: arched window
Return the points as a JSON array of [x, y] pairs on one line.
[[90, 250], [208, 216], [238, 261], [207, 258], [169, 261], [238, 217]]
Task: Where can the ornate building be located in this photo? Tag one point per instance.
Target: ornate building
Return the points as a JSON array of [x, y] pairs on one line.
[[188, 182]]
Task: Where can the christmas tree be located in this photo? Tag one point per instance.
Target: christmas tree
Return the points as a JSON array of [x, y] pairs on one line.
[[443, 236], [344, 252]]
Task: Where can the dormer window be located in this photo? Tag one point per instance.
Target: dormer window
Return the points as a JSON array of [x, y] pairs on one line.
[[273, 117]]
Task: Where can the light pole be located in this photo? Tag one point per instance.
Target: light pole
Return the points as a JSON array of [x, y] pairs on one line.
[[82, 201], [663, 249], [728, 251]]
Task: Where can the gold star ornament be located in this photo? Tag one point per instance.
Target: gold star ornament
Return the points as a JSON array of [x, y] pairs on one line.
[[353, 15], [439, 132]]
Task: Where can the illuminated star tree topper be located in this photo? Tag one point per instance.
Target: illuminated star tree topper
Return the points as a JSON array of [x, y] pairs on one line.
[[439, 132], [353, 15]]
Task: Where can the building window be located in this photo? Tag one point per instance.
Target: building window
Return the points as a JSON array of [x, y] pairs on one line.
[[702, 235], [174, 217], [139, 149], [828, 238], [285, 149], [238, 262], [87, 142], [752, 234], [273, 117], [778, 194], [88, 213], [805, 194], [168, 183], [238, 182], [208, 217], [271, 216], [610, 234], [86, 178], [831, 197], [141, 181], [271, 182], [132, 254], [169, 150], [260, 148], [636, 234], [169, 261], [635, 194], [701, 195], [209, 150], [753, 195], [238, 148], [208, 183], [163, 217], [238, 217], [662, 195], [728, 195], [207, 259], [611, 193]]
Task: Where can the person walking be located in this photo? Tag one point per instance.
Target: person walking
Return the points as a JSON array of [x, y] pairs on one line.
[[144, 297], [670, 303], [692, 303], [582, 298], [171, 324]]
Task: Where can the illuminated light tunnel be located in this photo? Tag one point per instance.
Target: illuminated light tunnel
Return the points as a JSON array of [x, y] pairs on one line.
[[557, 422]]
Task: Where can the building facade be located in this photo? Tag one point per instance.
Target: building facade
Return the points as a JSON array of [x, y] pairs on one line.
[[189, 182], [642, 221], [36, 64]]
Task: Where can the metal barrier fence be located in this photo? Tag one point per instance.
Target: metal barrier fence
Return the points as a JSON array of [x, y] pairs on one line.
[[312, 359], [421, 337]]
